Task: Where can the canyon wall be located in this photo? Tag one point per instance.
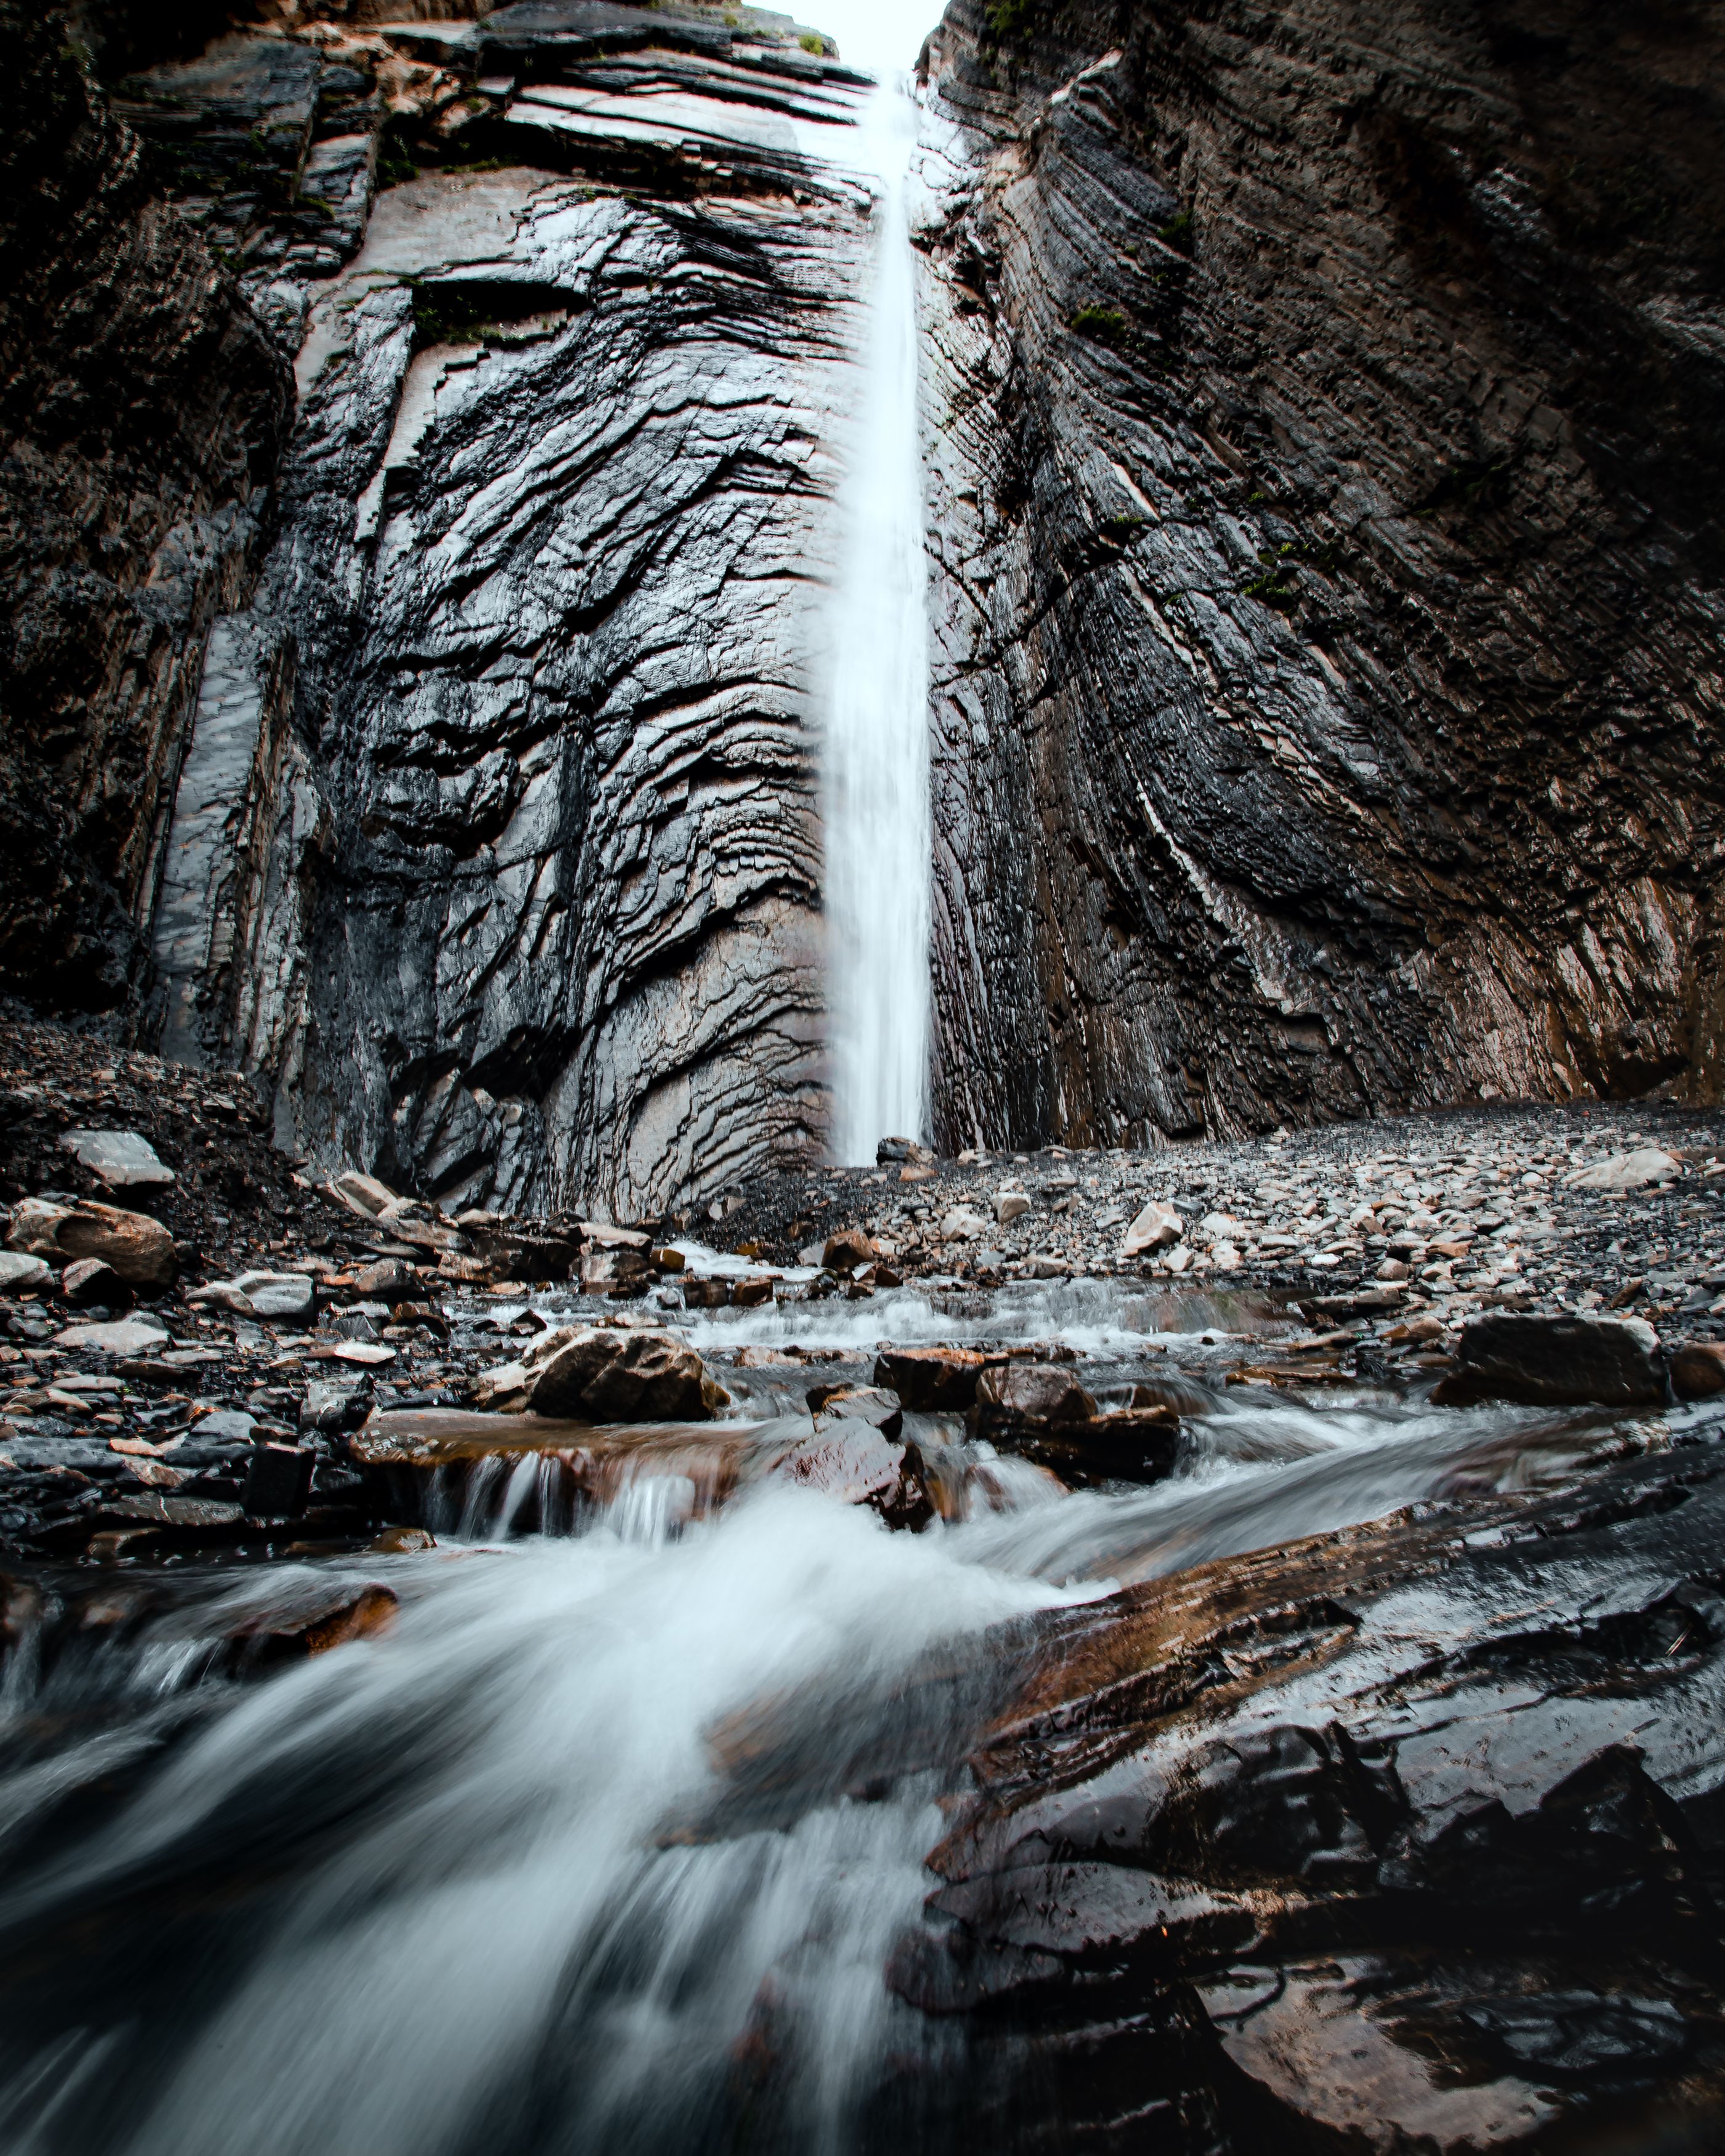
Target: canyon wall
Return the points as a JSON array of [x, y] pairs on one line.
[[1325, 417], [493, 852], [141, 409]]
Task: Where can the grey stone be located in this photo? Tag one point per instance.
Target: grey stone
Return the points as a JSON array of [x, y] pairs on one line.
[[123, 1159], [22, 1273], [225, 1426]]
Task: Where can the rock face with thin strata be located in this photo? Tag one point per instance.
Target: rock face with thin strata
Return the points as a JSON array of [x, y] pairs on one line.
[[1402, 1837], [1324, 420], [496, 853], [141, 404]]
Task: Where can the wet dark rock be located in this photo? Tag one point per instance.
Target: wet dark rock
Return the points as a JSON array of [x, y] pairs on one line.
[[1422, 1811], [299, 1635], [187, 1521], [1015, 1396], [1128, 1444], [1575, 2035], [1556, 1362], [928, 1380], [278, 1482], [858, 1462]]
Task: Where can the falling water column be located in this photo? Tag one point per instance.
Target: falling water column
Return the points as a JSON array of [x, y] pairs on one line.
[[875, 777]]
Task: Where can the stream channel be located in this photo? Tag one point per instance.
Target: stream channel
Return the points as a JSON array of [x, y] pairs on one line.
[[521, 1872]]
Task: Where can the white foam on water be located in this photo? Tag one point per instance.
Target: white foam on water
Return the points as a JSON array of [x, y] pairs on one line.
[[493, 1908]]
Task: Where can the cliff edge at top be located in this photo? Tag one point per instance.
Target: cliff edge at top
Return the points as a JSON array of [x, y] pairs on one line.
[[1325, 422]]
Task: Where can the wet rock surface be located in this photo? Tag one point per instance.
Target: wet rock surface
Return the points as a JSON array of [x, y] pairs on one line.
[[1402, 1837], [1321, 457]]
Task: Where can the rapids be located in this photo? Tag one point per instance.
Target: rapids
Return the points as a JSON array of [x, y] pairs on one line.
[[594, 1849]]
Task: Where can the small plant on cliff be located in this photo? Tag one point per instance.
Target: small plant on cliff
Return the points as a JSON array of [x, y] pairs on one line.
[[1103, 325], [394, 164], [812, 41], [1178, 233], [1010, 20]]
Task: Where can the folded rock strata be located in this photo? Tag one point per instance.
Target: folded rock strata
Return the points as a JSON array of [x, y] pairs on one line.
[[1324, 438], [496, 842]]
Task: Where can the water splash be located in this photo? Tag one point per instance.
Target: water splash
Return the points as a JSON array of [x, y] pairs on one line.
[[875, 777]]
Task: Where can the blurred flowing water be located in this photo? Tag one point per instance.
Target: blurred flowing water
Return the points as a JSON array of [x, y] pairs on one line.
[[604, 1844]]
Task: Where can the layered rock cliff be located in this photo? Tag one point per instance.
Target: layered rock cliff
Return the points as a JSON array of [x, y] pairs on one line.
[[1322, 424], [493, 852], [141, 407], [1325, 432]]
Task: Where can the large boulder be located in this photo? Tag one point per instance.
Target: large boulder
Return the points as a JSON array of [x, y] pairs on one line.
[[140, 1250], [1698, 1370], [1040, 1411], [600, 1373], [929, 1380], [847, 1250], [1556, 1362], [859, 1464], [877, 1405], [1011, 1396], [1128, 1444], [1156, 1227], [289, 1296], [1627, 1171]]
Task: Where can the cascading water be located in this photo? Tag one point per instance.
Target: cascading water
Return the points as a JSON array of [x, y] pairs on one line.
[[875, 777], [608, 1844]]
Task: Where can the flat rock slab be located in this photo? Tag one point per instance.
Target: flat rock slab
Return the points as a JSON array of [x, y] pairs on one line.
[[1627, 1171], [121, 1335], [428, 1437], [123, 1159]]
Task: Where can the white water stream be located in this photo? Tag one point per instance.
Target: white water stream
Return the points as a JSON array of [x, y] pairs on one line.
[[604, 1848], [875, 776]]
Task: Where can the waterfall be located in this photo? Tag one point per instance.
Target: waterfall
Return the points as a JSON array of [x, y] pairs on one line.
[[875, 777]]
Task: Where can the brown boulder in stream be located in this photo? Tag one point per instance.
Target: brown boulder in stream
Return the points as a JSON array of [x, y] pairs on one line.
[[931, 1379], [1556, 1362], [600, 1373], [1021, 1396], [1041, 1411], [860, 1464]]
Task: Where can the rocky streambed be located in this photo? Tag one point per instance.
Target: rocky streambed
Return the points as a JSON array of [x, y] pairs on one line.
[[924, 1671]]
